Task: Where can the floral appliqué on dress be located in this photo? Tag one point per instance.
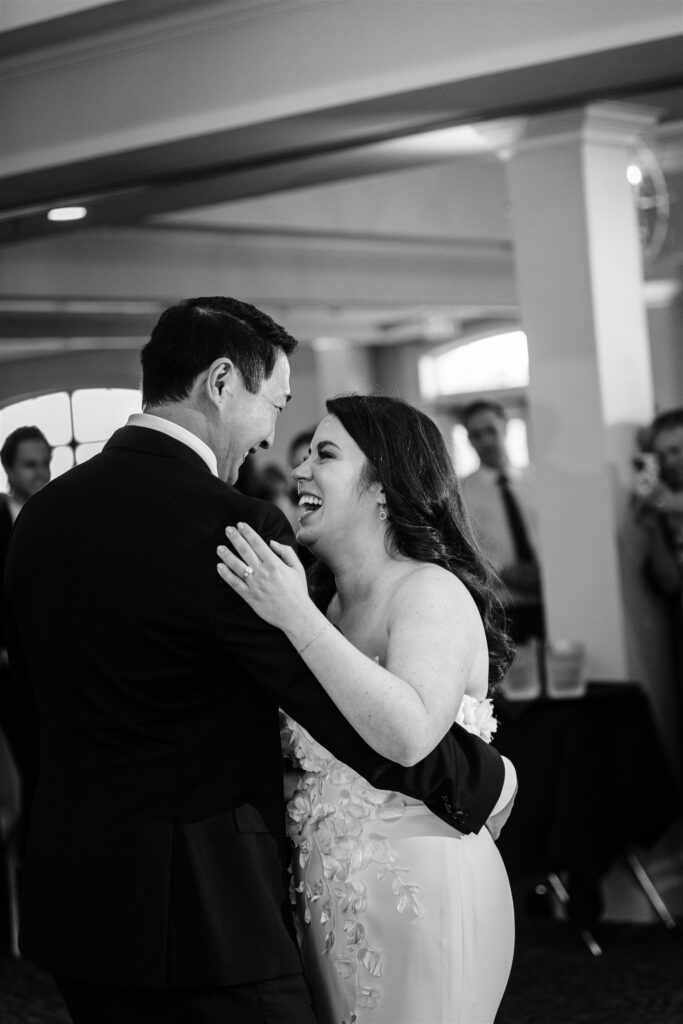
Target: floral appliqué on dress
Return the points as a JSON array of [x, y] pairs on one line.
[[349, 836]]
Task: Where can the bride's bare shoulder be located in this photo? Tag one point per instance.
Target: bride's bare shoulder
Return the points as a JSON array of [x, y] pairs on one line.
[[434, 609], [422, 582]]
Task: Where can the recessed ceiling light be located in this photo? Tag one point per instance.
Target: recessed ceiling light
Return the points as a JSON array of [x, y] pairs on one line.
[[67, 213], [634, 174]]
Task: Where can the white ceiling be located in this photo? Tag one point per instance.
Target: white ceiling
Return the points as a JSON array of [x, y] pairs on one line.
[[308, 148]]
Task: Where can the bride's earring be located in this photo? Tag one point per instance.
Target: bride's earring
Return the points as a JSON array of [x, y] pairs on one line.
[[382, 513]]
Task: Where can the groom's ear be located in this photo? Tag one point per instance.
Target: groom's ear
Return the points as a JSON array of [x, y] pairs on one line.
[[221, 378]]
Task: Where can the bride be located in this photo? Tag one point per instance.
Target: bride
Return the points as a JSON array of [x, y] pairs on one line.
[[403, 920]]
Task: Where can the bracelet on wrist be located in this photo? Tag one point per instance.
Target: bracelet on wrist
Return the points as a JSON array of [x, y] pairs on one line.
[[300, 650]]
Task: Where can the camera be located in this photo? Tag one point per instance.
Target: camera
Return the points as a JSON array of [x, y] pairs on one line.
[[645, 474]]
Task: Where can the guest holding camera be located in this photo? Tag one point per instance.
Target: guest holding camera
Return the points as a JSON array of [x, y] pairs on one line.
[[659, 502], [658, 507]]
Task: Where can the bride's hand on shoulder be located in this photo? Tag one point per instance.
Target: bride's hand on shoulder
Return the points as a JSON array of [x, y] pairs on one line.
[[269, 577]]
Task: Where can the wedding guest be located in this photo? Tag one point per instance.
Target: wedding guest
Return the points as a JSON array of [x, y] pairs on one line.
[[500, 502], [663, 506], [658, 504], [299, 448], [268, 483], [25, 457]]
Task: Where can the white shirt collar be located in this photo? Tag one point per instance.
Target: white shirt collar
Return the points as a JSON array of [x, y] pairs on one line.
[[146, 419], [14, 507]]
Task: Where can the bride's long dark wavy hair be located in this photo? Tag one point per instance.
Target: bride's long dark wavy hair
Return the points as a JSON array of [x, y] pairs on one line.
[[427, 519]]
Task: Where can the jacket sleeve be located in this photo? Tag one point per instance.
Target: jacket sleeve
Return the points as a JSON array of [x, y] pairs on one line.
[[460, 780]]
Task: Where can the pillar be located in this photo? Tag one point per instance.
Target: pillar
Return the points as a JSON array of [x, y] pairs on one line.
[[580, 286]]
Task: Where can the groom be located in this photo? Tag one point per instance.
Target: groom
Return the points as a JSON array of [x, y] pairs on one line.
[[155, 883]]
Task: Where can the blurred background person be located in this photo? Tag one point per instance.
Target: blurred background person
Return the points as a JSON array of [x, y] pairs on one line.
[[271, 483], [268, 482], [299, 447], [25, 457], [297, 452], [275, 487], [666, 499], [500, 502], [658, 504]]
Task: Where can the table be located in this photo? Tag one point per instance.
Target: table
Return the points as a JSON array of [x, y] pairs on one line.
[[593, 781]]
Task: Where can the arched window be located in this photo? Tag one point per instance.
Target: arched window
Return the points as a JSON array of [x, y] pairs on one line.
[[76, 424]]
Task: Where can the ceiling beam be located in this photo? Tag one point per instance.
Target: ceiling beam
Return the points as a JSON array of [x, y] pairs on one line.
[[327, 285], [123, 120]]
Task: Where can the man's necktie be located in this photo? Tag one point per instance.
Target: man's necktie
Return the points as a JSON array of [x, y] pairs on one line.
[[520, 536]]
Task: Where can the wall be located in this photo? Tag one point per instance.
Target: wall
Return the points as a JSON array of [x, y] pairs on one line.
[[665, 324]]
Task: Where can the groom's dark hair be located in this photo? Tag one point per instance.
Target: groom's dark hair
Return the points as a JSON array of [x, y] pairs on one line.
[[189, 336]]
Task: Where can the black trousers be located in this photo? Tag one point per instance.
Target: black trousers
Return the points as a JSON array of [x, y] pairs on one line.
[[277, 1001]]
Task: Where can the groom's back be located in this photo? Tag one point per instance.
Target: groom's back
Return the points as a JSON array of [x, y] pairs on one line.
[[151, 736], [114, 588]]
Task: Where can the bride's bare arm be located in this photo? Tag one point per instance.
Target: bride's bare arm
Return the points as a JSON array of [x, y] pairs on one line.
[[401, 710]]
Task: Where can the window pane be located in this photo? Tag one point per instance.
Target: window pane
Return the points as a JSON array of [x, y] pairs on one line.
[[487, 364], [98, 412], [50, 413], [516, 443], [62, 459], [86, 451]]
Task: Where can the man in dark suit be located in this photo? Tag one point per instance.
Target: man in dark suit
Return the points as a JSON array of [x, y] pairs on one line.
[[25, 457], [155, 884], [501, 504]]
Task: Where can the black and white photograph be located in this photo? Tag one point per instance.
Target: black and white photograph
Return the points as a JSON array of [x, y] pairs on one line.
[[341, 511]]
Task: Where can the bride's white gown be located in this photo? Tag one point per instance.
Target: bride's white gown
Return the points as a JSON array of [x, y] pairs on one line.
[[402, 919]]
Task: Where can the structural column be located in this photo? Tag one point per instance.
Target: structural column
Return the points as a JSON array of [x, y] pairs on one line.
[[579, 276]]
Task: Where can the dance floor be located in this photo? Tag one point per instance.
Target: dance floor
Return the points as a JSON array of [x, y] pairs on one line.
[[638, 980]]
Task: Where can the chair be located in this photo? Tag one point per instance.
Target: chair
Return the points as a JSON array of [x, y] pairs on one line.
[[647, 885]]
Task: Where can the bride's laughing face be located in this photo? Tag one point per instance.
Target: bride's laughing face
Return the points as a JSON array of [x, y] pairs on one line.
[[333, 501]]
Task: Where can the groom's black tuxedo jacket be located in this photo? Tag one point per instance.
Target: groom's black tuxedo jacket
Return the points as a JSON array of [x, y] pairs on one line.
[[156, 851]]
